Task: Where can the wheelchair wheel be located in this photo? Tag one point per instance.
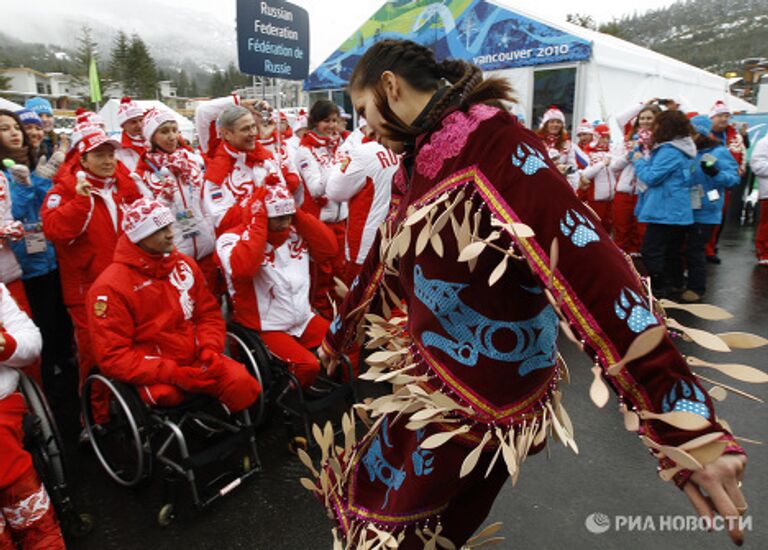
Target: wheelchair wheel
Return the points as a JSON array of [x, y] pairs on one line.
[[243, 346], [122, 443]]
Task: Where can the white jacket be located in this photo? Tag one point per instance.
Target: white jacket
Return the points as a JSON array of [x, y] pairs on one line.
[[206, 116], [237, 185], [20, 327], [759, 165], [193, 231], [601, 175], [315, 165], [10, 270], [364, 179], [279, 293]]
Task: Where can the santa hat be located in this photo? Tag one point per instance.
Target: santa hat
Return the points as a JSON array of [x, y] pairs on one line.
[[127, 110], [584, 127], [300, 122], [603, 130], [153, 119], [553, 113], [279, 201], [719, 108], [96, 138], [145, 217], [88, 118], [702, 124]]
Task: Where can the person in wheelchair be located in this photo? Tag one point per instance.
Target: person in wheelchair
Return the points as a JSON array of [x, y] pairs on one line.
[[27, 518], [265, 260], [156, 325]]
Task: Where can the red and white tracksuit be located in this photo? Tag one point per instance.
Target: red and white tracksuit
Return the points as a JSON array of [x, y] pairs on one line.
[[316, 158], [268, 280], [759, 165], [181, 190], [10, 270], [85, 232], [735, 144], [599, 195], [364, 180], [131, 151], [27, 518], [153, 320], [231, 176]]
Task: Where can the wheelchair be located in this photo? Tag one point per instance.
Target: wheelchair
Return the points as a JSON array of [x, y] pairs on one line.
[[281, 389], [185, 441], [43, 441]]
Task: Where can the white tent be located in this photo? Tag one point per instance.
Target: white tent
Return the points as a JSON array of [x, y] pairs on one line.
[[9, 105], [109, 114], [588, 74]]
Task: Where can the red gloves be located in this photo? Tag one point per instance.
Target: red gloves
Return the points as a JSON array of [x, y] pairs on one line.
[[254, 210], [191, 379]]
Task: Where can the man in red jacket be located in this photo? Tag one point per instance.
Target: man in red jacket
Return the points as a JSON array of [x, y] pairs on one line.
[[155, 324], [81, 216]]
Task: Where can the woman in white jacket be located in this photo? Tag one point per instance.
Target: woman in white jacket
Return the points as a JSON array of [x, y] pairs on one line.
[[170, 173], [637, 123], [759, 165], [27, 519]]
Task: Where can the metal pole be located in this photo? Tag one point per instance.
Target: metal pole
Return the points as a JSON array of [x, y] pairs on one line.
[[279, 133]]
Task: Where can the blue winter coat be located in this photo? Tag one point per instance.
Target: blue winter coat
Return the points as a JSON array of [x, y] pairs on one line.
[[667, 173], [711, 212], [27, 200]]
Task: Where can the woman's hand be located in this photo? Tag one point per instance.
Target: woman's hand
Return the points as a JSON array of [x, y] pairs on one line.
[[330, 364], [715, 489]]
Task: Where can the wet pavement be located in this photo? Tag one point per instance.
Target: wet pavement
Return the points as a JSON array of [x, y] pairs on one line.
[[612, 475]]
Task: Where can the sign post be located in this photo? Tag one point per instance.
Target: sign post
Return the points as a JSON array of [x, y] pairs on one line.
[[273, 41]]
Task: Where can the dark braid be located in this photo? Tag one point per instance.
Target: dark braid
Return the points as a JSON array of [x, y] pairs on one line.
[[416, 65]]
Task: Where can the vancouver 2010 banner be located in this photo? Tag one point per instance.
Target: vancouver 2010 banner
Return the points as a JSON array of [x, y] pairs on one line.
[[482, 32]]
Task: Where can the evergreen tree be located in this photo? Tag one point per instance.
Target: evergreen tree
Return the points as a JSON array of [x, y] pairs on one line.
[[193, 91], [86, 48], [118, 65], [182, 84], [218, 86], [581, 20], [141, 79]]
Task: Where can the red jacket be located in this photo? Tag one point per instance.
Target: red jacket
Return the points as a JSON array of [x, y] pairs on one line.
[[85, 229], [146, 311]]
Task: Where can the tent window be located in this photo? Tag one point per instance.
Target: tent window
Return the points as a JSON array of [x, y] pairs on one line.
[[554, 87]]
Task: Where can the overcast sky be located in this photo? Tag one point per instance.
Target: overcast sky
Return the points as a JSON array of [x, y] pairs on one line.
[[332, 21]]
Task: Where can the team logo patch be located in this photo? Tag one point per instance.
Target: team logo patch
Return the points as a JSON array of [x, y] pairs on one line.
[[100, 307], [53, 201]]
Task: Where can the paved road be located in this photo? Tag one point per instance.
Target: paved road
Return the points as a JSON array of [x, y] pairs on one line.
[[612, 474]]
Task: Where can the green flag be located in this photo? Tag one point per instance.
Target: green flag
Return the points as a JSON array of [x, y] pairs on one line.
[[93, 80]]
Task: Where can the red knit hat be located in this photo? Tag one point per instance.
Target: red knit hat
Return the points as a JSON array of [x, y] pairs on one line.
[[603, 130], [719, 108], [553, 113], [94, 139], [153, 119], [279, 201]]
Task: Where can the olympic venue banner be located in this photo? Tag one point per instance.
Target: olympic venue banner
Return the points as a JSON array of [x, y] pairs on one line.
[[483, 33]]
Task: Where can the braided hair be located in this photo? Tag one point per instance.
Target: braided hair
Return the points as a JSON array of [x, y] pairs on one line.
[[416, 64]]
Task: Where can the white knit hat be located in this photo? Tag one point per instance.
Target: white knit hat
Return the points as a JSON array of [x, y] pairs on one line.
[[127, 110], [553, 113], [145, 217], [584, 127], [279, 201], [153, 119], [719, 108]]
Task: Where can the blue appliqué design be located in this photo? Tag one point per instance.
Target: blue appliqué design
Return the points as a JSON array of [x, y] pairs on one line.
[[632, 309], [578, 228], [528, 159], [422, 459], [687, 397], [336, 325], [378, 467], [472, 333]]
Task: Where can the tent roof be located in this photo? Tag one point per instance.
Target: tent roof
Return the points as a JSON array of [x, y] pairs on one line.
[[486, 33], [495, 34], [9, 105]]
